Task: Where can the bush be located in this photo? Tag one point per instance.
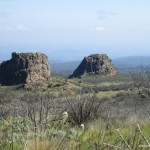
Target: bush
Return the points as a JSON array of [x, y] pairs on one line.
[[82, 109]]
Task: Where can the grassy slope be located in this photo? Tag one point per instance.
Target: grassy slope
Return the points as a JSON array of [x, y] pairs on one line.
[[118, 103]]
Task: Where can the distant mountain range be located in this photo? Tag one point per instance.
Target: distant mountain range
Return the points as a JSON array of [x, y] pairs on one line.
[[133, 61], [124, 65]]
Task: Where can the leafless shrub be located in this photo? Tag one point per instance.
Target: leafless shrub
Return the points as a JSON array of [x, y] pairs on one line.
[[141, 82], [82, 109]]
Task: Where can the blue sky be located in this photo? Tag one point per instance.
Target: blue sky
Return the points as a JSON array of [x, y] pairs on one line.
[[71, 29]]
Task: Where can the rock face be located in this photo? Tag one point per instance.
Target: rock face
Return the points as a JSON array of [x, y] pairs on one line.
[[95, 64], [24, 68]]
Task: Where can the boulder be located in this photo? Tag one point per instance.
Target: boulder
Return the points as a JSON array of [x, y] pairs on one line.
[[24, 68], [95, 64]]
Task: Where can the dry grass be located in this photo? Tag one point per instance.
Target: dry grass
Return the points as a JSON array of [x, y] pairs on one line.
[[36, 123], [110, 94]]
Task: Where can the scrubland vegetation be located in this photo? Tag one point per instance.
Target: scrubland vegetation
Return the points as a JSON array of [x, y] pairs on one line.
[[89, 113]]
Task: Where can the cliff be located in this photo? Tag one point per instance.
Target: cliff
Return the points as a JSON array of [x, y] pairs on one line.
[[95, 64], [24, 68]]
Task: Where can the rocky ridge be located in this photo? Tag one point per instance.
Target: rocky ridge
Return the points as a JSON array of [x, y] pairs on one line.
[[95, 64], [24, 68]]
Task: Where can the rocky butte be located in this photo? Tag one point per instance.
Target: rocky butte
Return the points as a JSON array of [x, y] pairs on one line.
[[24, 68], [95, 64]]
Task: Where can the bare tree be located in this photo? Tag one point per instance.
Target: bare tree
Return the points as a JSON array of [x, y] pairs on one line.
[[141, 82], [82, 108]]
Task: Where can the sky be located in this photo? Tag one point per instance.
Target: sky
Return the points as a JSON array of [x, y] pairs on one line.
[[72, 29]]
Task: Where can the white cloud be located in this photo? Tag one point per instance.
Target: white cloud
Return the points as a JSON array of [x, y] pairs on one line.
[[22, 28], [100, 29], [10, 28], [103, 15]]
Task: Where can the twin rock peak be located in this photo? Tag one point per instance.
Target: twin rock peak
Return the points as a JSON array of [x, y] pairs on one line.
[[24, 68]]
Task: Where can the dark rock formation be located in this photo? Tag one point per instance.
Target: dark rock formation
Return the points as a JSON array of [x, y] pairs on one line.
[[24, 68], [95, 64]]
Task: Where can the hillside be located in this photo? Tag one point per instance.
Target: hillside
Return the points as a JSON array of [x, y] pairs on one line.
[[133, 61], [64, 68], [77, 114]]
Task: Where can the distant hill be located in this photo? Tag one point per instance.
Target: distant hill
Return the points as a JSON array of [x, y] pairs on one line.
[[124, 65], [129, 64], [64, 68], [133, 61]]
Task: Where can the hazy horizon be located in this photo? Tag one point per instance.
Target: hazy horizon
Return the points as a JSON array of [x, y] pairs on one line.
[[73, 29]]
